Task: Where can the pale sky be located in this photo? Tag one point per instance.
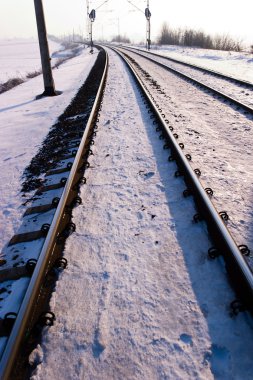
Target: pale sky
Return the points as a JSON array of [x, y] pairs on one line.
[[17, 17]]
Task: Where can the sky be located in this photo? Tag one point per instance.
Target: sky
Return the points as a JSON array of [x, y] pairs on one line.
[[234, 17]]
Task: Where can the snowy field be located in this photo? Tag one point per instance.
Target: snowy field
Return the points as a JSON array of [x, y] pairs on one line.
[[239, 65], [144, 290], [18, 57]]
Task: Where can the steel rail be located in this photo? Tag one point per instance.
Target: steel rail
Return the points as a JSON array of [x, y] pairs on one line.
[[236, 265], [207, 87], [22, 321], [194, 66]]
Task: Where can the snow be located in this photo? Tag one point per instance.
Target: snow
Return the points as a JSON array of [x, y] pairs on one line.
[[24, 122], [18, 57], [237, 64], [139, 298], [36, 357], [219, 139], [230, 88]]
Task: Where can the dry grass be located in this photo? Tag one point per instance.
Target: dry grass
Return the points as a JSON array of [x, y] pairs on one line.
[[10, 83], [33, 74]]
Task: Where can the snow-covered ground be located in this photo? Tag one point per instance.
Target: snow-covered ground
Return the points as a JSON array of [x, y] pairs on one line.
[[24, 122], [218, 137], [241, 93], [18, 57], [239, 65], [139, 299]]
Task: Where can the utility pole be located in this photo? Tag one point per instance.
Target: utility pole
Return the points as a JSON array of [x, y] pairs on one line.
[[92, 17], [88, 20], [44, 51], [148, 15]]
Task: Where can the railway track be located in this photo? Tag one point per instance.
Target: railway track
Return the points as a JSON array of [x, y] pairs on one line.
[[197, 67], [22, 328], [234, 90], [170, 92], [29, 320], [224, 243]]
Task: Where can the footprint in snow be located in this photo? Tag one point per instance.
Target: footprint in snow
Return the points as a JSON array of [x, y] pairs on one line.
[[139, 215], [123, 256], [97, 347], [148, 175], [105, 275], [187, 339]]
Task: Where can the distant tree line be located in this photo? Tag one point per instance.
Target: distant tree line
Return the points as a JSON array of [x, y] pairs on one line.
[[193, 38], [121, 39], [67, 39]]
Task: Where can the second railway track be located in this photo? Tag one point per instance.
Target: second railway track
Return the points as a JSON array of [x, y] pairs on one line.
[[224, 244], [215, 131], [236, 265], [232, 89]]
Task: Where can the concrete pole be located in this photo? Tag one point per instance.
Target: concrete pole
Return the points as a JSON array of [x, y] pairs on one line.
[[44, 50], [149, 32], [91, 38], [148, 29], [88, 19]]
